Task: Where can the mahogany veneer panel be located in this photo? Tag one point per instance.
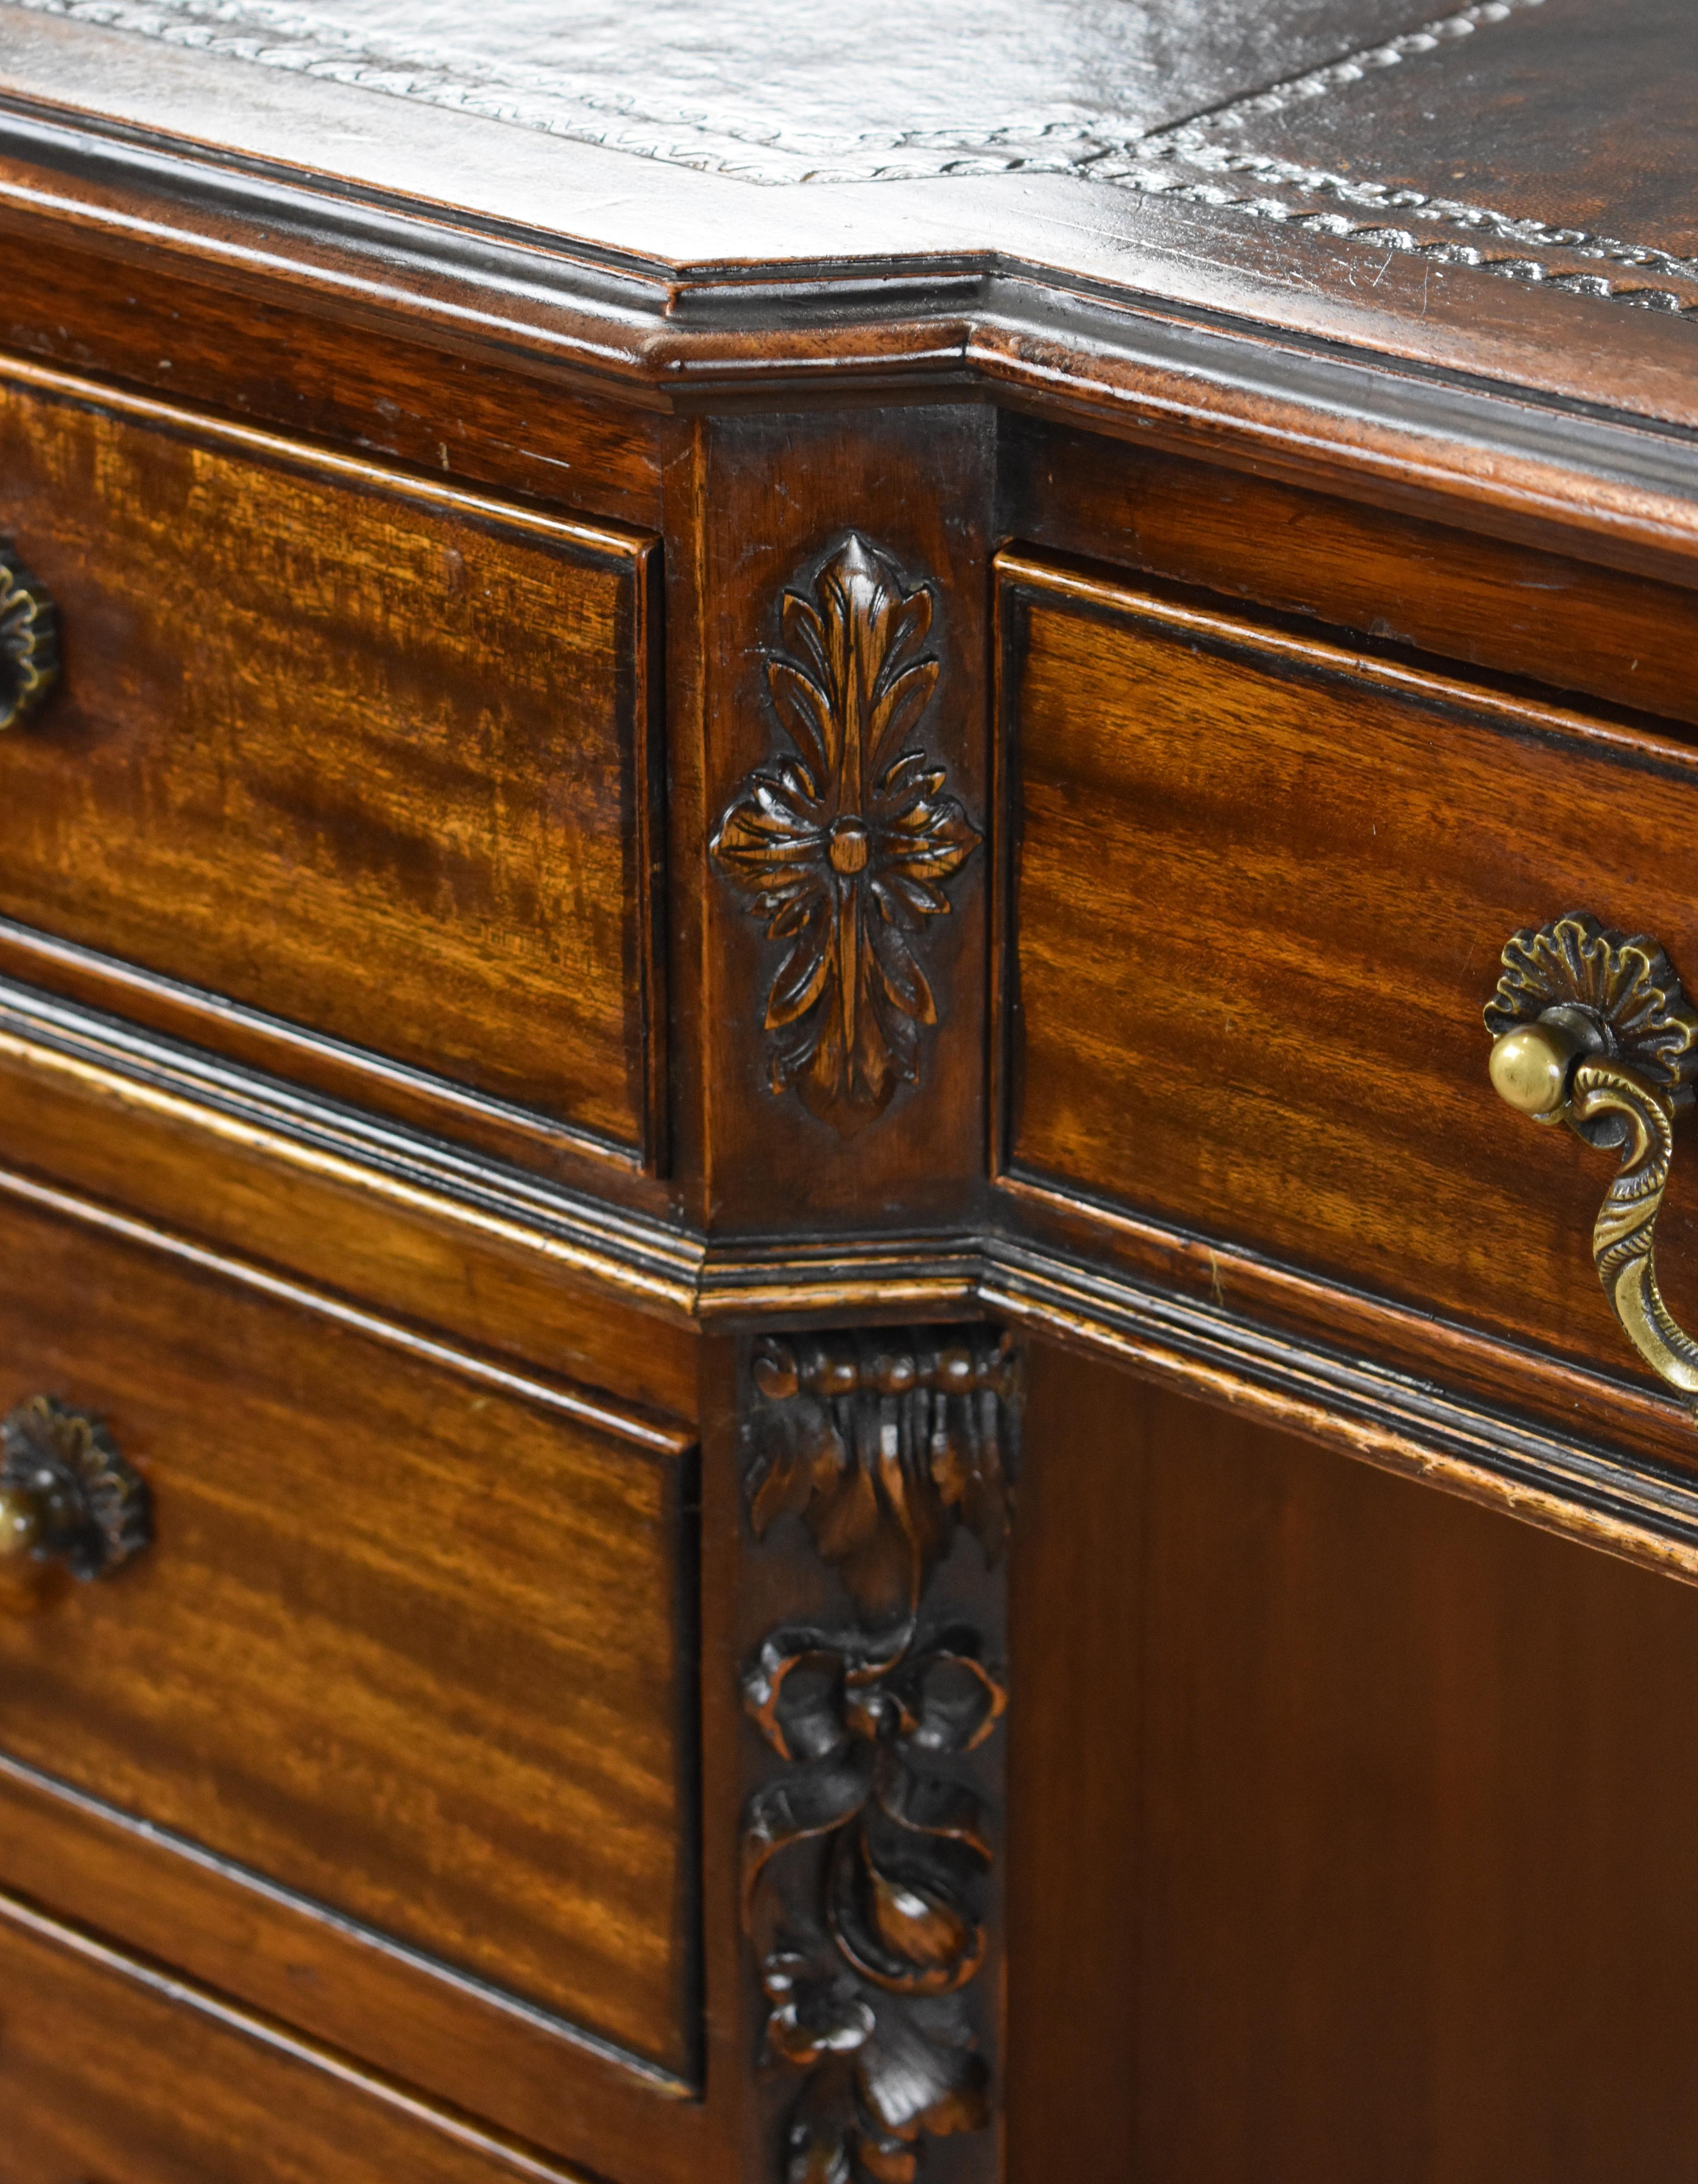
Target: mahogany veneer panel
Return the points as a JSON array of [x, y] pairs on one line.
[[494, 1285], [1513, 609], [1351, 1838], [411, 1641], [102, 2078], [1257, 886], [193, 341], [363, 753]]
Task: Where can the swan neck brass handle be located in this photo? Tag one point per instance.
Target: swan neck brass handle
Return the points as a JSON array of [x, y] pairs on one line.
[[1592, 1028], [28, 641], [66, 1494]]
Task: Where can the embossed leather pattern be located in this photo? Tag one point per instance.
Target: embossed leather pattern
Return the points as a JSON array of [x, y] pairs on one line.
[[780, 91], [1547, 141]]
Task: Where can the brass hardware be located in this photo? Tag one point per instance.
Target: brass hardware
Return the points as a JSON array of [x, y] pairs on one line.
[[1592, 1028], [29, 641], [66, 1494]]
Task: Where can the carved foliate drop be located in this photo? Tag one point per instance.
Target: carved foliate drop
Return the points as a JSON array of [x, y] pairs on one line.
[[866, 1861]]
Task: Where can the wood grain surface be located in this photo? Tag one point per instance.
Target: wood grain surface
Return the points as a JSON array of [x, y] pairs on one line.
[[107, 2078], [226, 1160], [465, 2045], [411, 1640], [770, 498], [362, 754], [1350, 1836], [421, 404], [1513, 608], [1258, 896]]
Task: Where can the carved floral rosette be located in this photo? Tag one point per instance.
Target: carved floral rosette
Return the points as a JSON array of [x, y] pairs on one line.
[[845, 843], [867, 1861]]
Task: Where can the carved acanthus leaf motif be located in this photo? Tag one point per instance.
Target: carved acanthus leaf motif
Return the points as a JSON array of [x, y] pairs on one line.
[[884, 1446], [846, 848]]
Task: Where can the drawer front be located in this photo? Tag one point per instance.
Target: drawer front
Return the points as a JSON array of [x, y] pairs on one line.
[[102, 2077], [1254, 898], [352, 767], [410, 1643]]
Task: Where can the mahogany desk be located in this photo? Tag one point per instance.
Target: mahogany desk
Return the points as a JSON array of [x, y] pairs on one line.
[[777, 790]]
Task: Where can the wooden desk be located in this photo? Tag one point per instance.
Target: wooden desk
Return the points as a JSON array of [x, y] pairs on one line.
[[771, 786]]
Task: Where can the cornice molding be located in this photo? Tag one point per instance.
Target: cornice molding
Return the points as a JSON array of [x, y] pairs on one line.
[[1479, 445]]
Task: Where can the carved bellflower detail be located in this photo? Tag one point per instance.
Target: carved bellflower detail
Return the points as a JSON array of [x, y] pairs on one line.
[[846, 848], [866, 1861]]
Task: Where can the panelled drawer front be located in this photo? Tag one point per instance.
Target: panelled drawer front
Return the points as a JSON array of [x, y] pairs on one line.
[[1254, 898], [102, 2078], [365, 757], [410, 1643]]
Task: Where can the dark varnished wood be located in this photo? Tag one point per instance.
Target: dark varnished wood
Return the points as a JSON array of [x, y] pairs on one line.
[[251, 357], [570, 2102], [1349, 1829], [758, 489], [1512, 608], [454, 1598], [319, 190], [112, 2068], [355, 766], [844, 843], [870, 1868], [349, 1207], [1277, 1820], [1301, 866]]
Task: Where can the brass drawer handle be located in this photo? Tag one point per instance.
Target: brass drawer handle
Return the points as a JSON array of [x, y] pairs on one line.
[[66, 1494], [1591, 1028], [28, 641]]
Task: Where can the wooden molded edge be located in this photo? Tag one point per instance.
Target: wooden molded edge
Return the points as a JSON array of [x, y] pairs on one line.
[[654, 1265], [1126, 596], [649, 798], [602, 538], [1639, 1508], [1643, 1511], [1469, 448], [627, 1424], [81, 1941], [115, 1823], [248, 1036]]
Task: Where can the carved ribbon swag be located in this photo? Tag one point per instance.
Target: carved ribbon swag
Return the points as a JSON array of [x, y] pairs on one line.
[[846, 848], [866, 1953]]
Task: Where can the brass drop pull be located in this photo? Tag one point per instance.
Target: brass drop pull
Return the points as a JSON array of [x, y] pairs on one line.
[[66, 1494], [28, 641], [1591, 1028]]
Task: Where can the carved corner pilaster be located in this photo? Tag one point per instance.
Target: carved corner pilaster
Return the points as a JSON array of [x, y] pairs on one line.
[[870, 1842]]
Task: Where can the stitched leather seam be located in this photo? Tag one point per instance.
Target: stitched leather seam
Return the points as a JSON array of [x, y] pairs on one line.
[[1381, 216]]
